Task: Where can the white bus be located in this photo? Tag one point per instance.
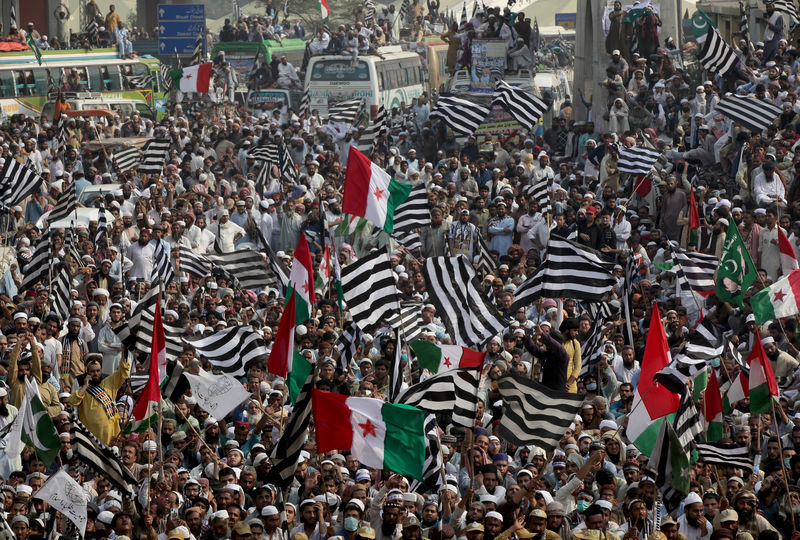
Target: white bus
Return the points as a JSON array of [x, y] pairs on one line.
[[391, 80]]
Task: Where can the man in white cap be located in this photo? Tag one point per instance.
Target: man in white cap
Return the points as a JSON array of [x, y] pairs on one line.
[[693, 523]]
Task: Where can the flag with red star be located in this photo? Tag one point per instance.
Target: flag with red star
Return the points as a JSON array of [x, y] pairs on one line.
[[436, 358], [301, 281], [779, 300], [371, 192], [380, 435]]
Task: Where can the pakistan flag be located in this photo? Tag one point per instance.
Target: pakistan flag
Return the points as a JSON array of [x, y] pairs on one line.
[[33, 427], [736, 271]]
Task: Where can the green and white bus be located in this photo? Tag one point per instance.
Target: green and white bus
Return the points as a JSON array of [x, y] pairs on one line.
[[25, 85]]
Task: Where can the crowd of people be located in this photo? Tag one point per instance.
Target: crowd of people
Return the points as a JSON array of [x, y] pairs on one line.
[[207, 478]]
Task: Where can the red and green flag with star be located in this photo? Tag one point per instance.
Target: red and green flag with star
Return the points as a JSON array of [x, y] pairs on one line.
[[381, 435], [301, 281], [436, 358], [779, 300]]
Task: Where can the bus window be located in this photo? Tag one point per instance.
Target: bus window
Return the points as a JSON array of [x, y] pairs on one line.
[[96, 78], [40, 79], [7, 85], [381, 83], [19, 80], [114, 79]]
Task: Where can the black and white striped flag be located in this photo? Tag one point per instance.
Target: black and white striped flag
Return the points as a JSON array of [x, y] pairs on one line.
[[162, 266], [696, 270], [409, 320], [347, 111], [17, 182], [136, 333], [286, 453], [486, 263], [66, 206], [688, 424], [101, 459], [246, 268], [525, 107], [61, 286], [276, 154], [101, 236], [305, 108], [232, 350], [750, 112], [464, 18], [538, 192], [369, 13], [744, 23], [725, 455], [570, 270], [461, 115], [12, 18], [410, 216], [705, 343], [197, 53], [592, 348], [193, 264], [370, 290], [136, 82], [92, 30], [154, 156], [789, 7], [404, 12], [127, 158], [453, 288], [454, 391], [676, 375], [366, 141], [347, 345], [38, 267], [432, 475], [636, 159], [166, 80], [716, 55], [277, 267], [533, 413]]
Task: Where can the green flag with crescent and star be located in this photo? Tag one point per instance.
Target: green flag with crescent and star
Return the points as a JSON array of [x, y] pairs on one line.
[[637, 11], [38, 429], [700, 23], [736, 271]]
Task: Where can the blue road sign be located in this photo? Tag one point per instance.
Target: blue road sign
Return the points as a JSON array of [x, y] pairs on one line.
[[181, 46], [178, 27], [182, 12]]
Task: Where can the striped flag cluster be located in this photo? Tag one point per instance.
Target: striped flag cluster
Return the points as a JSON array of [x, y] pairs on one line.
[[286, 453], [347, 111], [246, 268], [144, 80], [370, 291], [716, 56], [347, 344], [525, 107], [66, 205], [750, 112], [636, 159], [366, 141], [570, 270], [17, 182], [166, 80], [162, 266], [724, 455], [461, 115], [136, 333], [232, 350], [99, 457], [533, 413], [154, 156], [454, 392], [432, 479], [688, 424], [453, 288], [696, 271], [486, 263], [127, 158], [278, 155]]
